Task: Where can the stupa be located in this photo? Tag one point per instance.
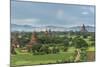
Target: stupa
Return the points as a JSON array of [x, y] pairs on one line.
[[83, 29], [47, 32], [33, 40]]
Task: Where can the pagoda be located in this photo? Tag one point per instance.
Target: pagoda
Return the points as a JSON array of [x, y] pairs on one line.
[[33, 40], [83, 29], [47, 32]]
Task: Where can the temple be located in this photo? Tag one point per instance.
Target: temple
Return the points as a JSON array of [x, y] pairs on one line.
[[83, 29], [33, 40], [48, 32]]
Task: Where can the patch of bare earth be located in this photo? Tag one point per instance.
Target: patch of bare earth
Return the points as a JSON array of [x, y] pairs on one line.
[[91, 56]]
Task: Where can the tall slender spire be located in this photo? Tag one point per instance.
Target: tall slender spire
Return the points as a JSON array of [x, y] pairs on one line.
[[46, 32], [83, 29]]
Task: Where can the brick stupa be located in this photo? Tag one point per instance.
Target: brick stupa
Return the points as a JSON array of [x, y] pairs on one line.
[[33, 40]]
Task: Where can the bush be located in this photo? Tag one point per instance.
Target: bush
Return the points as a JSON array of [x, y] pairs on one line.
[[13, 50], [66, 42], [83, 55], [65, 49], [44, 49], [93, 43], [55, 50], [36, 48]]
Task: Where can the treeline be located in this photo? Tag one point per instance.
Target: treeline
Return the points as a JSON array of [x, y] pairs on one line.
[[56, 43], [23, 38]]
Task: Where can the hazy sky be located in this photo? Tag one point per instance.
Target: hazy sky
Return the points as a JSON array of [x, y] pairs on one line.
[[41, 14]]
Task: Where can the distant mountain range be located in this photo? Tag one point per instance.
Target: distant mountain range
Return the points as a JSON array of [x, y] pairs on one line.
[[77, 28], [29, 28]]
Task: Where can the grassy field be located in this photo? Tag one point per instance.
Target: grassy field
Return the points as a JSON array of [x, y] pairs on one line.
[[24, 59], [30, 59], [91, 49]]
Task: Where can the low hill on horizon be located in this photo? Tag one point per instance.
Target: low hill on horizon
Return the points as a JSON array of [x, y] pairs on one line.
[[29, 28]]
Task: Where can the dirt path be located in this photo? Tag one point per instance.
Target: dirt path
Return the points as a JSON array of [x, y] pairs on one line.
[[78, 51]]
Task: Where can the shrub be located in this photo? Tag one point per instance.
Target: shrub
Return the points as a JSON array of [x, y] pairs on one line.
[[44, 49], [65, 49], [36, 48], [55, 50]]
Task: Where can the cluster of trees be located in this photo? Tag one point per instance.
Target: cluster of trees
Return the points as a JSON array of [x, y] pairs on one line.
[[52, 40], [77, 42], [56, 44], [38, 49], [81, 45], [24, 38], [65, 41]]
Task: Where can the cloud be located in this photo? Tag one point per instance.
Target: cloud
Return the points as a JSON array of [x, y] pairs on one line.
[[51, 14], [25, 21], [90, 9], [84, 13], [60, 14]]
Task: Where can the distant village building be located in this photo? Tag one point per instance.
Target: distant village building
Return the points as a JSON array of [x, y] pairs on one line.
[[83, 29]]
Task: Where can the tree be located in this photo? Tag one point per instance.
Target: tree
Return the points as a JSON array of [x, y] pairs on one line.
[[66, 42], [36, 48], [92, 43], [79, 43], [23, 39], [55, 50], [45, 49], [13, 50]]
